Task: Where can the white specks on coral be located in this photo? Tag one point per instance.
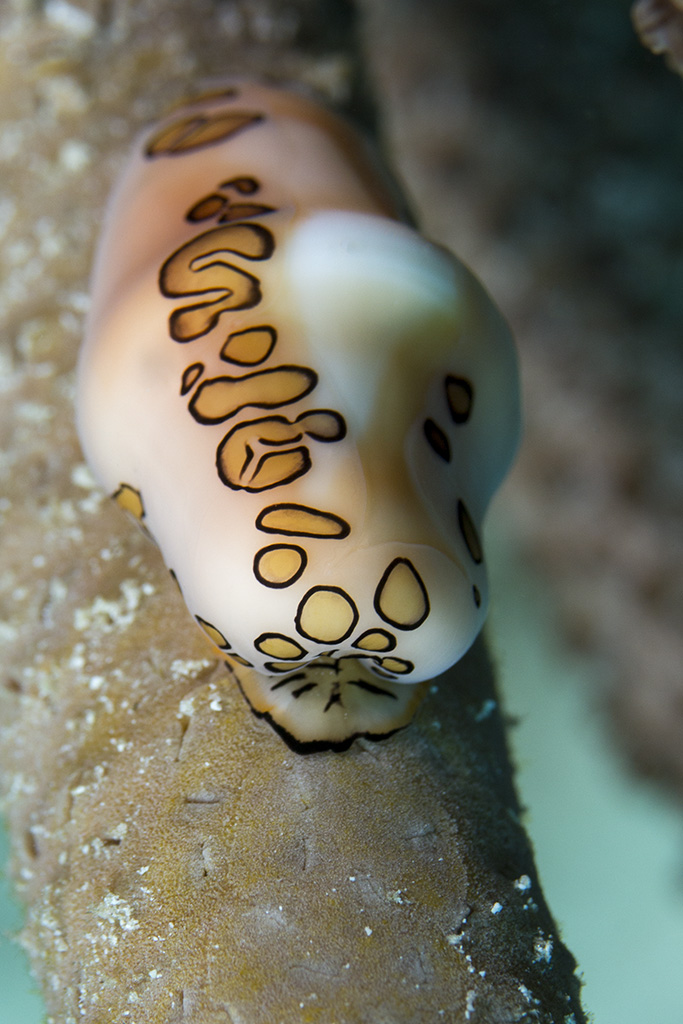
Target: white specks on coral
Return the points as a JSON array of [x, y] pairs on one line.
[[397, 896], [34, 412], [66, 512], [105, 616], [528, 995], [77, 659], [116, 910], [63, 94], [79, 301], [543, 949], [82, 477], [496, 907], [368, 930], [188, 668], [50, 242], [74, 156], [469, 1005], [73, 20], [120, 745], [456, 940], [92, 503], [8, 633], [11, 141], [485, 711], [186, 707], [58, 589], [49, 922], [523, 883]]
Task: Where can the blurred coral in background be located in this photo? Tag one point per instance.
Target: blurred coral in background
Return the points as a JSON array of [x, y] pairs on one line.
[[542, 143]]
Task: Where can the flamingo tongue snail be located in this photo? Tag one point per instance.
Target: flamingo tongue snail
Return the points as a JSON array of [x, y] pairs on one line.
[[307, 405]]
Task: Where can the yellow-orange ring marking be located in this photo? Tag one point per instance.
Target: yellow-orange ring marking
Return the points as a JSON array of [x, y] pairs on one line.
[[262, 389], [460, 398], [375, 640], [244, 211], [399, 666], [244, 184], [130, 500], [249, 347], [201, 268], [326, 615], [196, 131], [279, 646], [284, 570], [294, 520], [401, 584], [209, 206]]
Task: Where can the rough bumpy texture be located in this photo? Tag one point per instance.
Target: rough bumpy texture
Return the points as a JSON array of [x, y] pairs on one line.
[[181, 864], [178, 862]]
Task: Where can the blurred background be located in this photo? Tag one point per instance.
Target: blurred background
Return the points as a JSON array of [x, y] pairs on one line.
[[541, 142]]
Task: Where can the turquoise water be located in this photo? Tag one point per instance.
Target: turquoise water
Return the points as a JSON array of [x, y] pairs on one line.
[[609, 849], [19, 1001]]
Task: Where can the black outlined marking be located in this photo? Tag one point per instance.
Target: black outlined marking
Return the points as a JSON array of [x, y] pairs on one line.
[[437, 440], [196, 131], [395, 588], [190, 377], [460, 398], [342, 607], [281, 581], [469, 533], [294, 520]]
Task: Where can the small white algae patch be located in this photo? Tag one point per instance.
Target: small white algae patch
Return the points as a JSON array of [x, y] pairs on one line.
[[543, 949], [187, 669], [117, 911]]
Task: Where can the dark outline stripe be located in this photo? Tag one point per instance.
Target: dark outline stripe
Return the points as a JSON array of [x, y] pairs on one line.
[[345, 528], [382, 583]]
